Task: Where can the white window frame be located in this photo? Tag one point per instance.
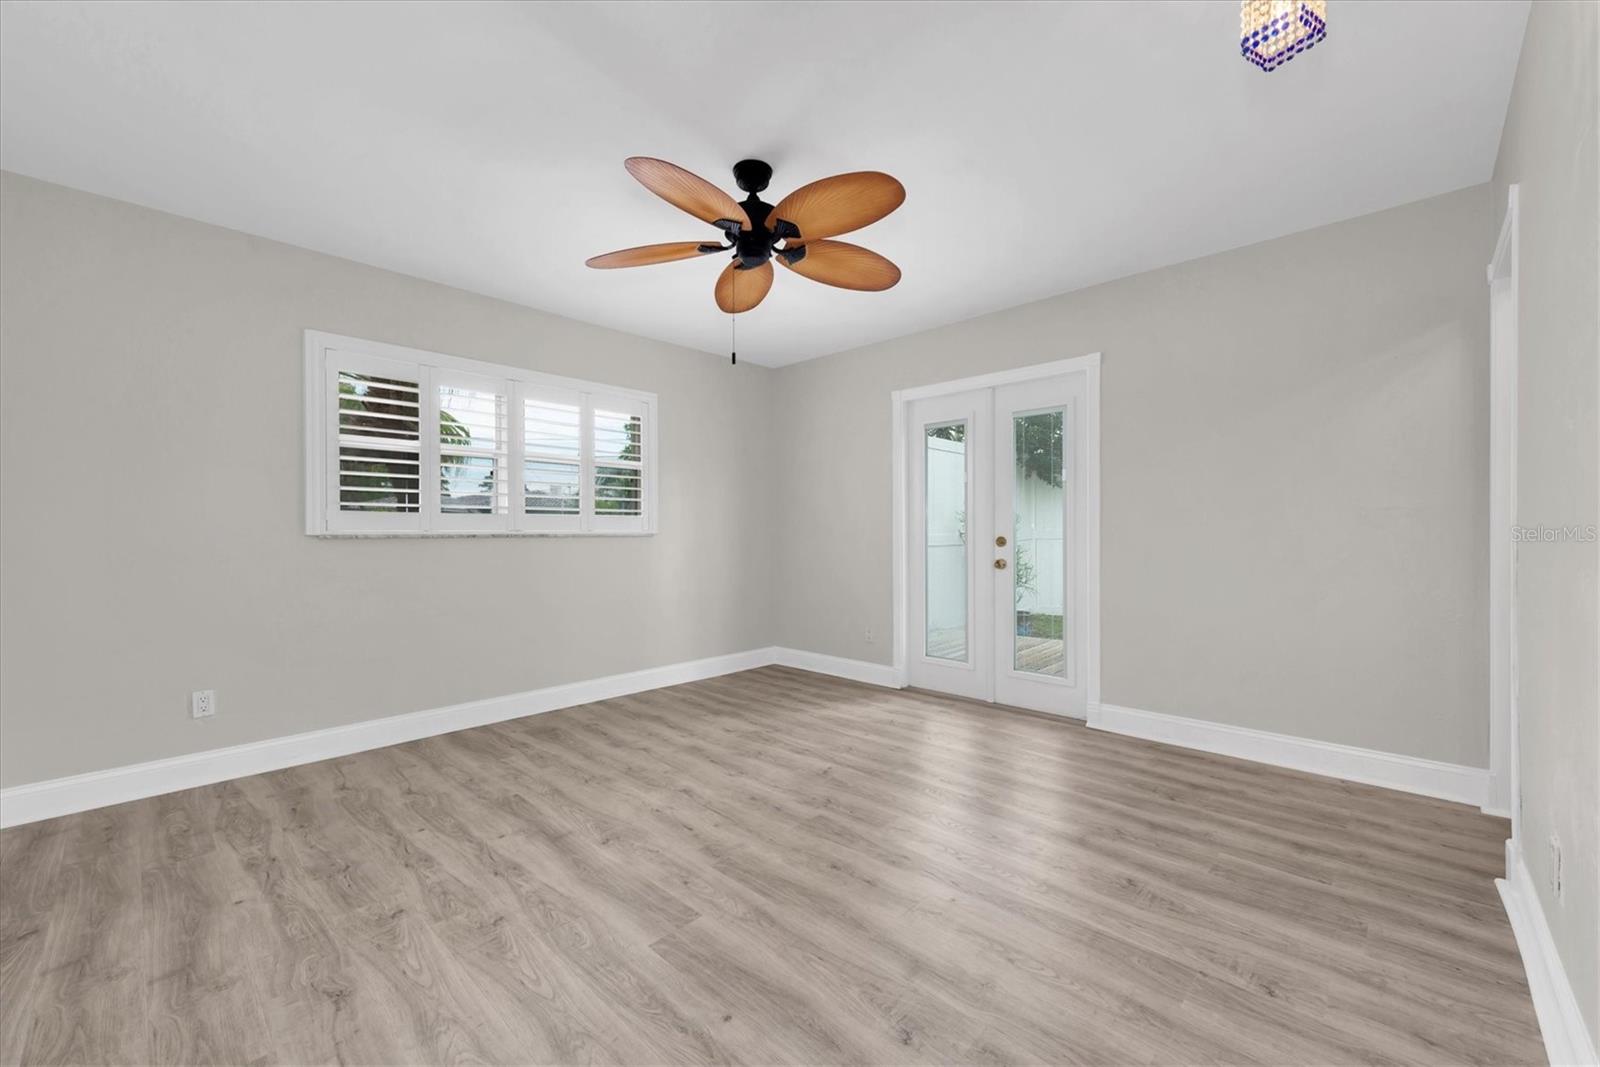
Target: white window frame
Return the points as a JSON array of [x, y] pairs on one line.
[[323, 516]]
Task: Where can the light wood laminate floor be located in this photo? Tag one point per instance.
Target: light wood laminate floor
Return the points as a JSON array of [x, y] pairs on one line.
[[772, 867]]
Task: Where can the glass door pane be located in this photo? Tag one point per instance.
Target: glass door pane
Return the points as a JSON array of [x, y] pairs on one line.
[[1039, 578], [945, 531]]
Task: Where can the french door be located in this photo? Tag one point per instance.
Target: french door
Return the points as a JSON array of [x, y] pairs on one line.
[[996, 544]]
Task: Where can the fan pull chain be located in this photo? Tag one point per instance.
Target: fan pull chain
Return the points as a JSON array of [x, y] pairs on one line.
[[733, 318]]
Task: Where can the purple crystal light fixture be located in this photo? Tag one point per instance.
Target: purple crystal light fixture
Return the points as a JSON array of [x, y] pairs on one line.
[[1272, 32]]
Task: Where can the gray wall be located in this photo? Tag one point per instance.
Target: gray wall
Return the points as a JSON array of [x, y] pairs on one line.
[[1549, 148], [151, 531], [1294, 457]]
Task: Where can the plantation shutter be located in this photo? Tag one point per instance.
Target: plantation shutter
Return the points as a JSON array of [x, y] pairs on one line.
[[619, 440], [474, 451], [552, 459], [375, 452]]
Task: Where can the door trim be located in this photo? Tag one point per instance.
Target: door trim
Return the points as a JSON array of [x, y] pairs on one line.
[[901, 399], [1504, 789]]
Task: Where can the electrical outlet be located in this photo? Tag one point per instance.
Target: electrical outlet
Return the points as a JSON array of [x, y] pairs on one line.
[[871, 637], [1555, 868], [203, 703]]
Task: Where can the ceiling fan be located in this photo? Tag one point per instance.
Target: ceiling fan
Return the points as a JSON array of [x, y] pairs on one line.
[[804, 221]]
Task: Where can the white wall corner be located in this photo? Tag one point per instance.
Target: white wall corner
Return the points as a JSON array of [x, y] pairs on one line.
[[1446, 781], [1566, 1036], [117, 785], [1497, 795], [854, 669]]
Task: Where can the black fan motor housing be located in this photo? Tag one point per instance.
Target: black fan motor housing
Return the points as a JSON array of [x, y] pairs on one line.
[[755, 245], [752, 175]]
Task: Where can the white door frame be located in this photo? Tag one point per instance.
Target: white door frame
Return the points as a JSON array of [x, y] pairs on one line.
[[1503, 792], [899, 402]]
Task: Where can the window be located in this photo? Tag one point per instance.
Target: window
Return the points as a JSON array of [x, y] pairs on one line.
[[407, 443]]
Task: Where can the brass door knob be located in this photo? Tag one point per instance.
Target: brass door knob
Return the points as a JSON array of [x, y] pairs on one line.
[[999, 564], [1000, 542]]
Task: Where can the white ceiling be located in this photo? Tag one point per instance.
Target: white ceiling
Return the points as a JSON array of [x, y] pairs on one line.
[[1044, 147]]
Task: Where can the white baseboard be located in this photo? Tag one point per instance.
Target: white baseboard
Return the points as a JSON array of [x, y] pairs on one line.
[[1447, 781], [83, 792], [1566, 1038], [854, 669], [97, 789]]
